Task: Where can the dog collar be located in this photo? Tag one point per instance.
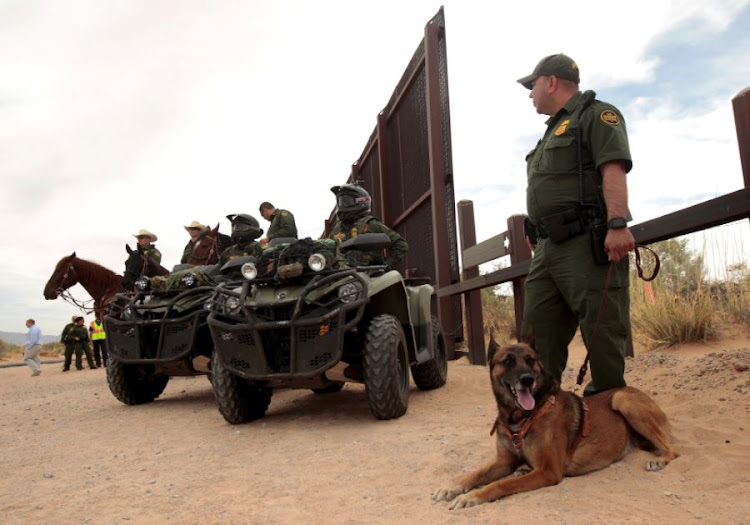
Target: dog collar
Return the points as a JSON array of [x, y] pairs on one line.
[[517, 437]]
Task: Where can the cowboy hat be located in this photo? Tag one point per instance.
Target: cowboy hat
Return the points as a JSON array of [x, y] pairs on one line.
[[196, 224], [146, 233]]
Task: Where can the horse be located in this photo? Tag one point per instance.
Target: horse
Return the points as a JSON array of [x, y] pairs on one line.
[[137, 264], [101, 283], [208, 247]]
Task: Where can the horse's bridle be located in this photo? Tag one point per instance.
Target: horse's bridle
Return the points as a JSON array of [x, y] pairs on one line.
[[59, 290], [214, 247]]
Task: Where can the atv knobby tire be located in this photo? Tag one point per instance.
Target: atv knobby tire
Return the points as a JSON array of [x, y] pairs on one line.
[[238, 399], [433, 373], [134, 384], [386, 368]]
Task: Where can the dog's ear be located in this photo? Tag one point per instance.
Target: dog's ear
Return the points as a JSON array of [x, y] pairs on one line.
[[492, 347]]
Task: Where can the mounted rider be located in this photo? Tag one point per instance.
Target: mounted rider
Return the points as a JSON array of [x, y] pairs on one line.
[[353, 209], [145, 244], [245, 231]]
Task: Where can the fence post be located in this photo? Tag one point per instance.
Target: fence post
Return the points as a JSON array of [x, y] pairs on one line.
[[473, 299], [741, 106], [519, 252]]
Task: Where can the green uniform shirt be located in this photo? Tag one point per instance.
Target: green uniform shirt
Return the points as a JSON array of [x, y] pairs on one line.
[[282, 225], [370, 224], [152, 252], [552, 166], [241, 250]]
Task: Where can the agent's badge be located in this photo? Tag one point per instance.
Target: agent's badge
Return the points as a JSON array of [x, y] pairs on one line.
[[561, 128], [610, 117]]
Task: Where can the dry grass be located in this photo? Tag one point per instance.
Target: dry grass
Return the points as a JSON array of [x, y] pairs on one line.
[[664, 318]]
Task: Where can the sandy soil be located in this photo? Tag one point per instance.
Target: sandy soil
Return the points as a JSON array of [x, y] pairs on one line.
[[71, 453]]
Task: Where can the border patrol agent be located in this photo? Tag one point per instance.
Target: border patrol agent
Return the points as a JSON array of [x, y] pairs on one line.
[[282, 222], [577, 206], [353, 206], [245, 229], [145, 244]]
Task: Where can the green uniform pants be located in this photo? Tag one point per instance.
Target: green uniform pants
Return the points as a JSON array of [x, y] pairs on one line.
[[563, 291]]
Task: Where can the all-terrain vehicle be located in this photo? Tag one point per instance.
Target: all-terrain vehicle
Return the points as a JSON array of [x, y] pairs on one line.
[[305, 318], [160, 331]]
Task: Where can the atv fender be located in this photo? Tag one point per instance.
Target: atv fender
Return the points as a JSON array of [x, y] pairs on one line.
[[421, 317]]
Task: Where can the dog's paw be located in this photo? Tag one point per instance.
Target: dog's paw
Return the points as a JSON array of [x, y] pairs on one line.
[[465, 501], [446, 494], [652, 465]]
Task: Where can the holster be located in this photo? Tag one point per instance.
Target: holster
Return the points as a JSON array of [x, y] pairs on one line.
[[562, 225], [530, 231]]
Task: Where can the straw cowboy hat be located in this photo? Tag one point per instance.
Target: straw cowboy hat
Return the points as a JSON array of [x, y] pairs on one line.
[[147, 233], [196, 224]]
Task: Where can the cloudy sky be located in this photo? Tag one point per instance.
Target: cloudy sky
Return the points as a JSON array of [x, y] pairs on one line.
[[117, 115]]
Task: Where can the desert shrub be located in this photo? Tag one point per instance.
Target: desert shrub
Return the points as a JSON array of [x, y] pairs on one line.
[[8, 351], [733, 294], [678, 307], [499, 315]]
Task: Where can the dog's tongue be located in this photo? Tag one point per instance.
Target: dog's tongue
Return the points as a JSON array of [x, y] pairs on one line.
[[525, 399]]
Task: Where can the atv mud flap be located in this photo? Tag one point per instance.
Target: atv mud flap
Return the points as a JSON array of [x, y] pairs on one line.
[[301, 341]]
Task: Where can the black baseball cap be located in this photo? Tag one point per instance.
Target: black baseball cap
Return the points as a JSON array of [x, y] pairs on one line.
[[561, 66]]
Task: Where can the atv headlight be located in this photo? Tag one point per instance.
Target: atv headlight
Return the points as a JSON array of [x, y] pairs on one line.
[[316, 262], [143, 283], [249, 271], [350, 292], [189, 280]]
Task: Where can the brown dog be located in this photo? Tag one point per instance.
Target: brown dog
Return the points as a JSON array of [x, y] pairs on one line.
[[554, 432]]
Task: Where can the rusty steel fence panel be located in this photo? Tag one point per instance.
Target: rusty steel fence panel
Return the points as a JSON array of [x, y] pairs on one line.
[[407, 168]]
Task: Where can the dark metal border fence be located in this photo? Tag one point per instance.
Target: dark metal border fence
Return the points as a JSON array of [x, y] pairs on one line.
[[407, 167]]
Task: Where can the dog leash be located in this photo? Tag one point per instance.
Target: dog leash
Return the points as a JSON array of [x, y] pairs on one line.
[[657, 265]]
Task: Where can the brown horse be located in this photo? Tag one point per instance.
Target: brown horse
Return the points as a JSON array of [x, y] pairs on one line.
[[100, 283], [137, 264], [208, 247]]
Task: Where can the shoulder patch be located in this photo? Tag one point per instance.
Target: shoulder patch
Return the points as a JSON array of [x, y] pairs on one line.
[[285, 213], [341, 236], [561, 128], [610, 117], [354, 232]]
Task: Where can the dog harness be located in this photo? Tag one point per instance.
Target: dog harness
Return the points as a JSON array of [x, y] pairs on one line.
[[517, 437]]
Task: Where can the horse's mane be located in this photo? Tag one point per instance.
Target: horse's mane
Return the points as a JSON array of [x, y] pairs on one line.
[[98, 275]]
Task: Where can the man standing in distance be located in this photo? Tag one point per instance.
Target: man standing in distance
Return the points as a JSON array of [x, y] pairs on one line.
[[282, 222], [33, 347], [578, 213]]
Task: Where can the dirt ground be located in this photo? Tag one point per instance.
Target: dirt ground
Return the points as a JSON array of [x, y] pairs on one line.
[[71, 453]]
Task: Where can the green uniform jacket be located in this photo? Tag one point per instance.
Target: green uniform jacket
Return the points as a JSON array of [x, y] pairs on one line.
[[370, 224], [65, 332], [187, 251], [552, 166], [81, 333], [152, 252], [282, 225]]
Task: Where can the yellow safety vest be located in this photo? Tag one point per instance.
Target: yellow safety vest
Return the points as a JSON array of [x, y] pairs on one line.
[[97, 331]]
